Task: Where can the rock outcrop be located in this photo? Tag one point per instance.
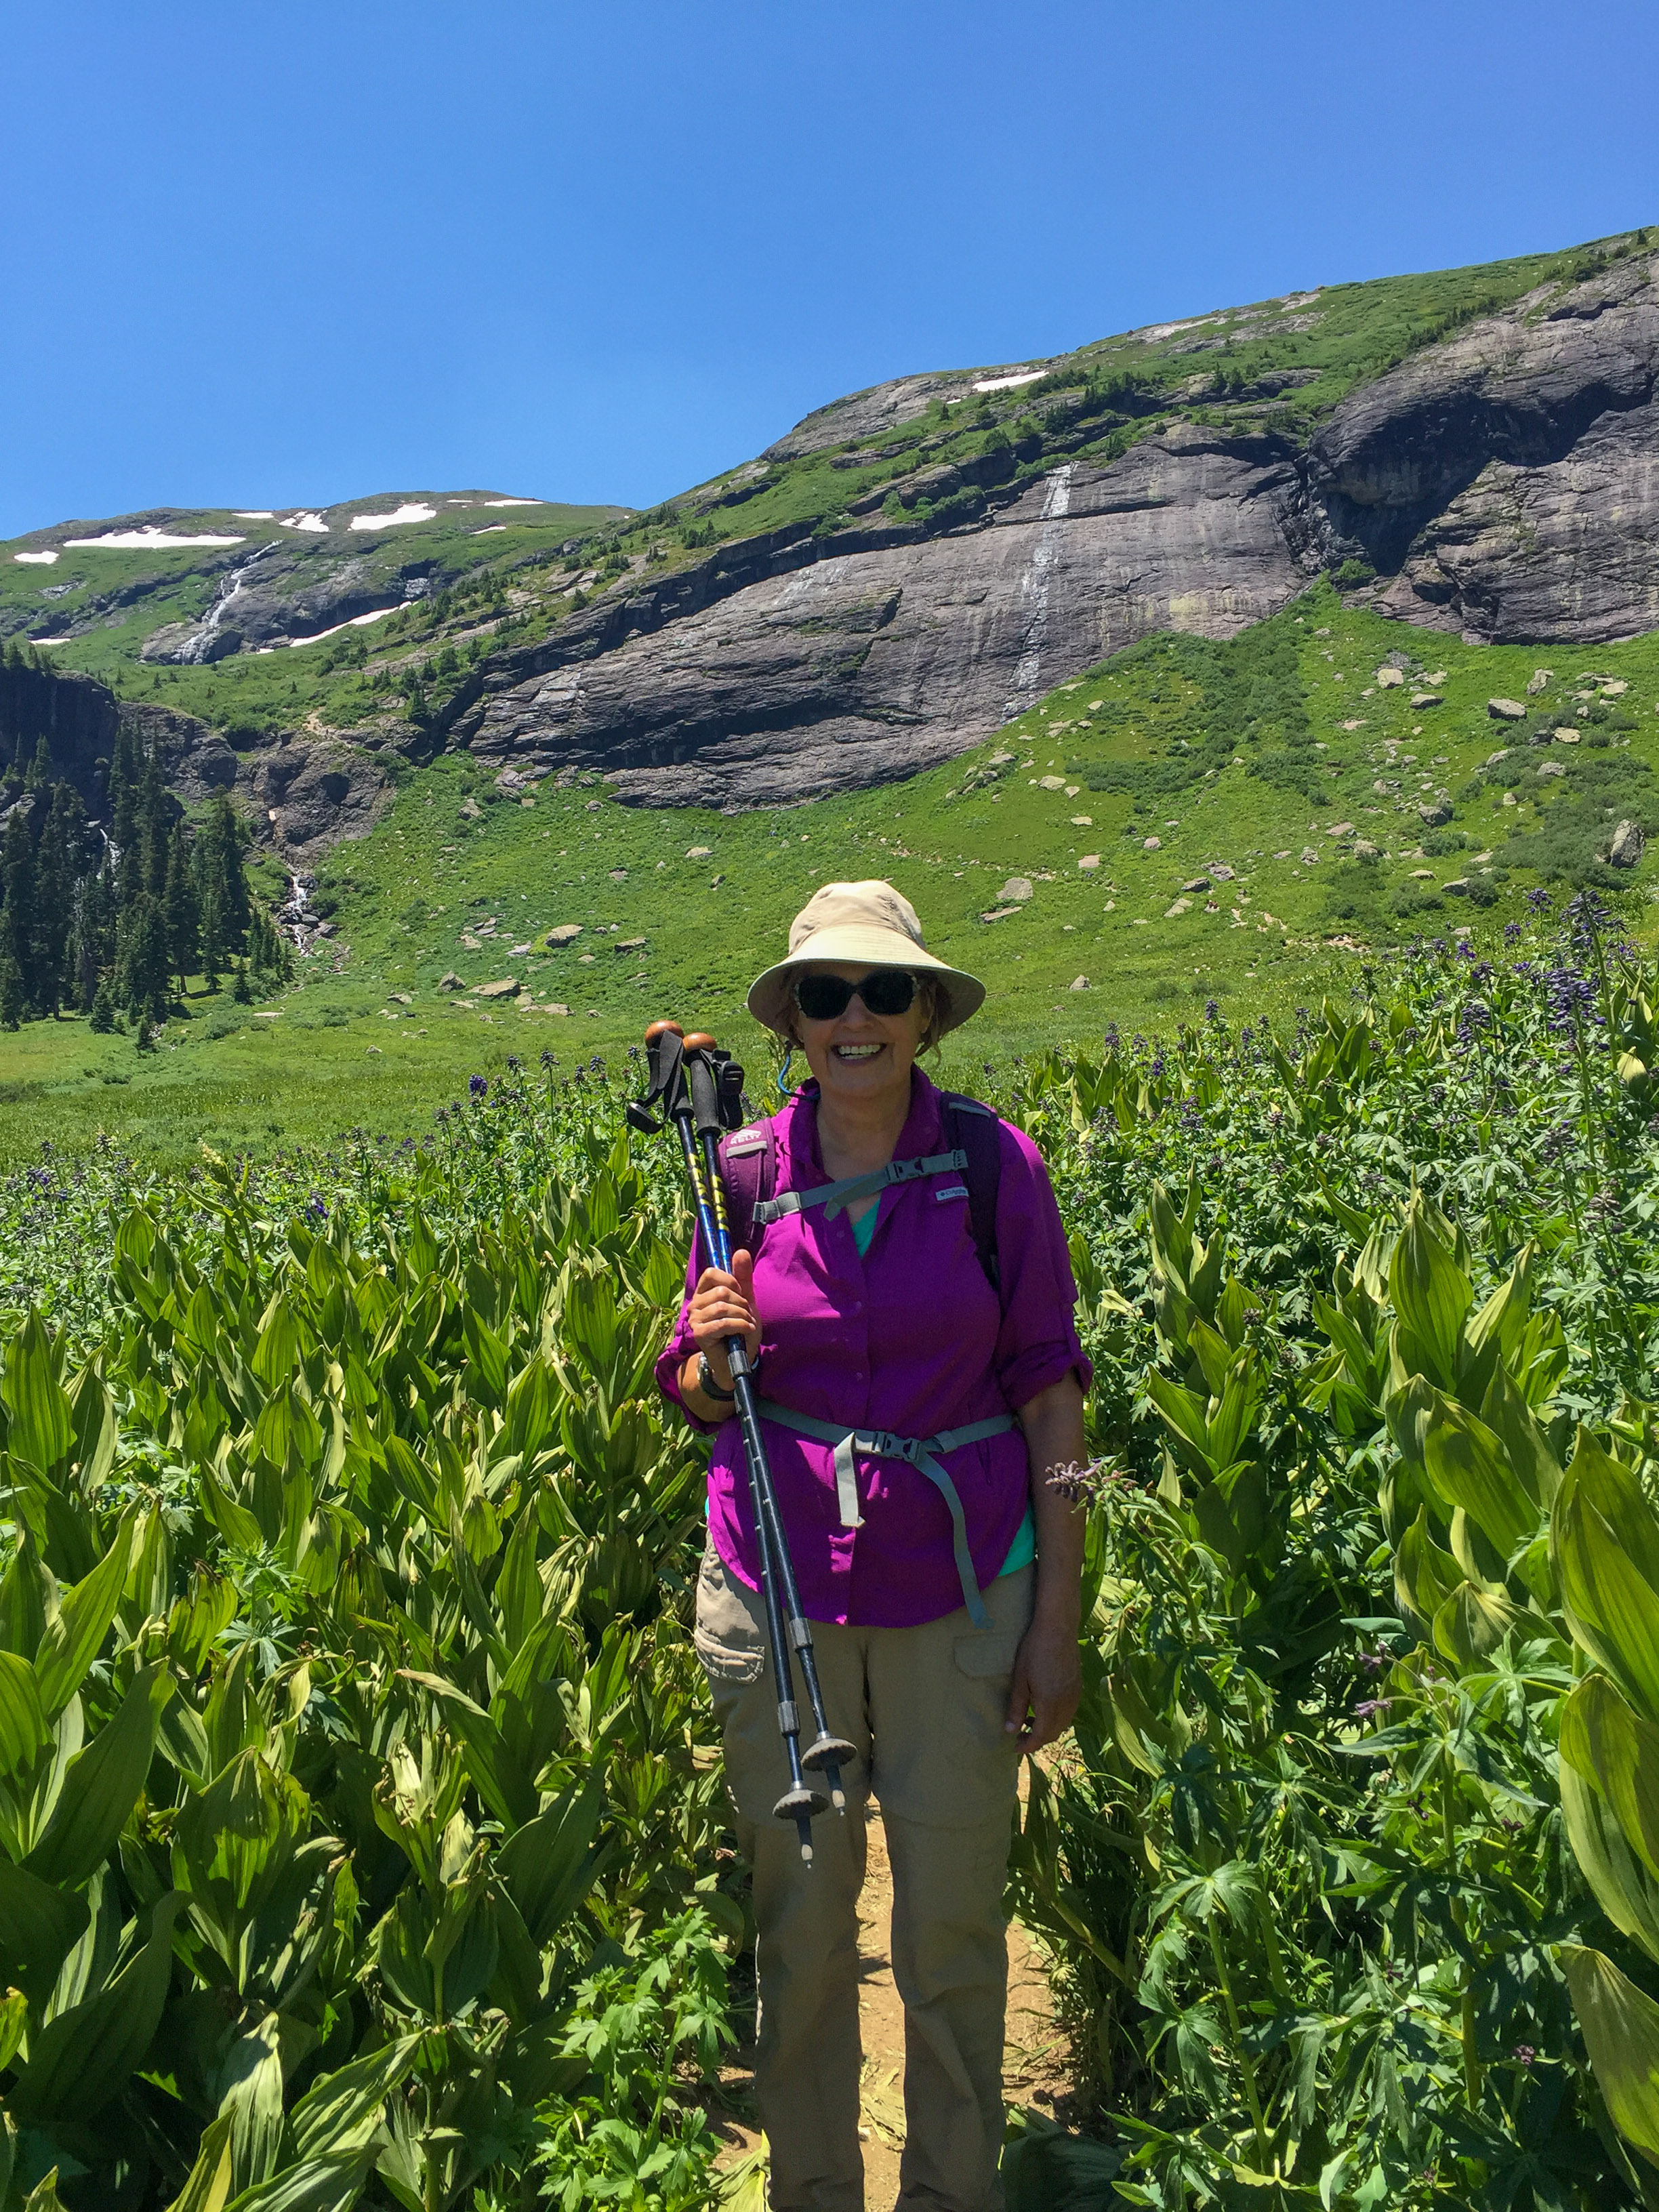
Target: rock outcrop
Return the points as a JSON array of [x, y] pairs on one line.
[[1503, 483], [793, 668]]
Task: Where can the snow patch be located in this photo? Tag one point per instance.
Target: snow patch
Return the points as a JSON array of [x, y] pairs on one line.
[[514, 502], [145, 540], [255, 513], [307, 521], [1007, 383], [357, 622], [412, 510], [39, 560], [488, 528], [51, 640]]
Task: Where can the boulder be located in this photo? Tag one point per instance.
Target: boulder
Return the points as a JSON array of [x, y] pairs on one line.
[[1506, 710], [1503, 753], [1222, 875], [1083, 822], [1340, 830], [564, 934], [1459, 886], [1422, 699], [1017, 887], [1627, 846], [1090, 861], [1079, 983], [1435, 814], [1152, 844], [1388, 678], [452, 982], [470, 811], [1365, 850], [506, 988], [1000, 913], [1540, 681], [1550, 768], [1179, 906], [1050, 782], [1198, 883], [698, 852], [1566, 735]]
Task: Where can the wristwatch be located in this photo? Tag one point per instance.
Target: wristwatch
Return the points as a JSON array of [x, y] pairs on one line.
[[707, 1384]]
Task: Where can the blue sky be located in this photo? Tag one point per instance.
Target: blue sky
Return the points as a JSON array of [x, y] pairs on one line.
[[263, 254]]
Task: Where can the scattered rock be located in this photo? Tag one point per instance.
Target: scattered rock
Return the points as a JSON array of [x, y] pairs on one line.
[[1541, 680], [563, 934], [619, 875], [1222, 874], [1050, 782], [1503, 753], [1565, 737], [628, 945], [1180, 905], [1509, 800], [1080, 983], [1017, 887], [1613, 687], [1000, 913], [1550, 768], [1458, 886], [1072, 789], [1422, 875], [1083, 822], [471, 944], [554, 1007], [506, 989], [518, 950], [1421, 699], [1506, 710], [1198, 883], [451, 982], [1090, 861], [1389, 677], [698, 852], [402, 998], [1628, 845], [1340, 830], [594, 805], [1365, 850], [1384, 785], [1437, 812], [1152, 844], [470, 811]]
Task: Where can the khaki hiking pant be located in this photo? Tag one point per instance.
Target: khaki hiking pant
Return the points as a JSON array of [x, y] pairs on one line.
[[925, 1708]]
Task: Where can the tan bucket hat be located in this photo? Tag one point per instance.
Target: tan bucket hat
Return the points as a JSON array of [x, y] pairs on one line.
[[871, 922]]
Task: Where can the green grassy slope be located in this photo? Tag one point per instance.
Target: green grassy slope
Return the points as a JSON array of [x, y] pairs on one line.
[[1145, 747]]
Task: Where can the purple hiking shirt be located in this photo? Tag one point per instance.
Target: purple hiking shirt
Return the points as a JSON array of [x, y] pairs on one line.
[[910, 1341]]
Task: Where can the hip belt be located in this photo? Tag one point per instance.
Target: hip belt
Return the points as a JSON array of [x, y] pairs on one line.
[[925, 1453]]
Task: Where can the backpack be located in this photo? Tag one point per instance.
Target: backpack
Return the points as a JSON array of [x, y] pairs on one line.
[[749, 1159]]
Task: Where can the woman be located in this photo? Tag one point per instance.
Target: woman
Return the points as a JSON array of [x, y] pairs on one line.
[[945, 1613]]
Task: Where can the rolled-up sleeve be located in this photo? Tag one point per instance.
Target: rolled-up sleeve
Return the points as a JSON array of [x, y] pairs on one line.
[[1038, 1342], [678, 1350]]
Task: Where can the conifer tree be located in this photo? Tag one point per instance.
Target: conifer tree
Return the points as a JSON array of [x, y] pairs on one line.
[[182, 907], [11, 989], [17, 884]]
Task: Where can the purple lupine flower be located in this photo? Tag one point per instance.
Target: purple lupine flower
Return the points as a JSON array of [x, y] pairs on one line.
[[477, 1086], [1572, 1000], [1540, 902], [1513, 933]]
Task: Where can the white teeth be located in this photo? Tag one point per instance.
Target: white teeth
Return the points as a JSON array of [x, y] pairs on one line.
[[857, 1051]]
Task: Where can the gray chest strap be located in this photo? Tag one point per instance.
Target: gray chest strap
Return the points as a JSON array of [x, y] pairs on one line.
[[833, 1197], [925, 1453]]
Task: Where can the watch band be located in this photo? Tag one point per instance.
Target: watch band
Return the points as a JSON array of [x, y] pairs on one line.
[[709, 1386]]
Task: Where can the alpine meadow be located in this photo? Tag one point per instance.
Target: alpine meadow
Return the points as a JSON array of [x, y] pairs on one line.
[[1266, 705]]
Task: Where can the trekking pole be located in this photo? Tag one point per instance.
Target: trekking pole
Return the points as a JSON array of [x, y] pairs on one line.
[[699, 1089]]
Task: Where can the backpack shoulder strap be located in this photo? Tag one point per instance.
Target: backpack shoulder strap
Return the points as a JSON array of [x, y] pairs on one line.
[[975, 1130], [748, 1162]]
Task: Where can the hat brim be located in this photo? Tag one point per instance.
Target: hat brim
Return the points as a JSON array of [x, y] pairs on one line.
[[961, 993]]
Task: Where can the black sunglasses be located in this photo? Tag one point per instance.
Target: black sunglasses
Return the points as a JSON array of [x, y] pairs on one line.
[[884, 991]]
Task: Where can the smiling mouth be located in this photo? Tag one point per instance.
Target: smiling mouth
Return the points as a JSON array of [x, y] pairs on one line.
[[856, 1052]]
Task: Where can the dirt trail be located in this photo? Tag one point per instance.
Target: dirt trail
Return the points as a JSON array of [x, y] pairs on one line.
[[1035, 2061]]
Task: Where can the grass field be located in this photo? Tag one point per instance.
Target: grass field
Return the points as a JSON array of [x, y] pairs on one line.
[[666, 934]]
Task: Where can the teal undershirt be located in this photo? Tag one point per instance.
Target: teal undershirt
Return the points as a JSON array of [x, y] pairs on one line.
[[1023, 1550]]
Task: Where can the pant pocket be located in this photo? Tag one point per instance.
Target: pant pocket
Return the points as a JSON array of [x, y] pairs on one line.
[[729, 1636]]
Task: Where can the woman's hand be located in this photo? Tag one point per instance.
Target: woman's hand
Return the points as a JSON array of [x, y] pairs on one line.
[[723, 1306], [1042, 1698]]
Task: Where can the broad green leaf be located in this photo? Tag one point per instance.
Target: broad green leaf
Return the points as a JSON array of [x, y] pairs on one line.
[[316, 2185], [1612, 1610], [550, 1864], [510, 1793], [276, 1355], [24, 1730], [1472, 1623], [1431, 1293], [43, 2196], [1424, 1576], [1526, 1450], [1468, 1465], [14, 2027], [251, 2086], [101, 1786], [338, 2114], [1620, 1884], [42, 1431], [72, 1642], [1614, 1747], [40, 1924], [84, 2057], [208, 2186], [1621, 2034]]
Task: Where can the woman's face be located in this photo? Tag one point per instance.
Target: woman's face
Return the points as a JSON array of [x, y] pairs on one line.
[[861, 1056]]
